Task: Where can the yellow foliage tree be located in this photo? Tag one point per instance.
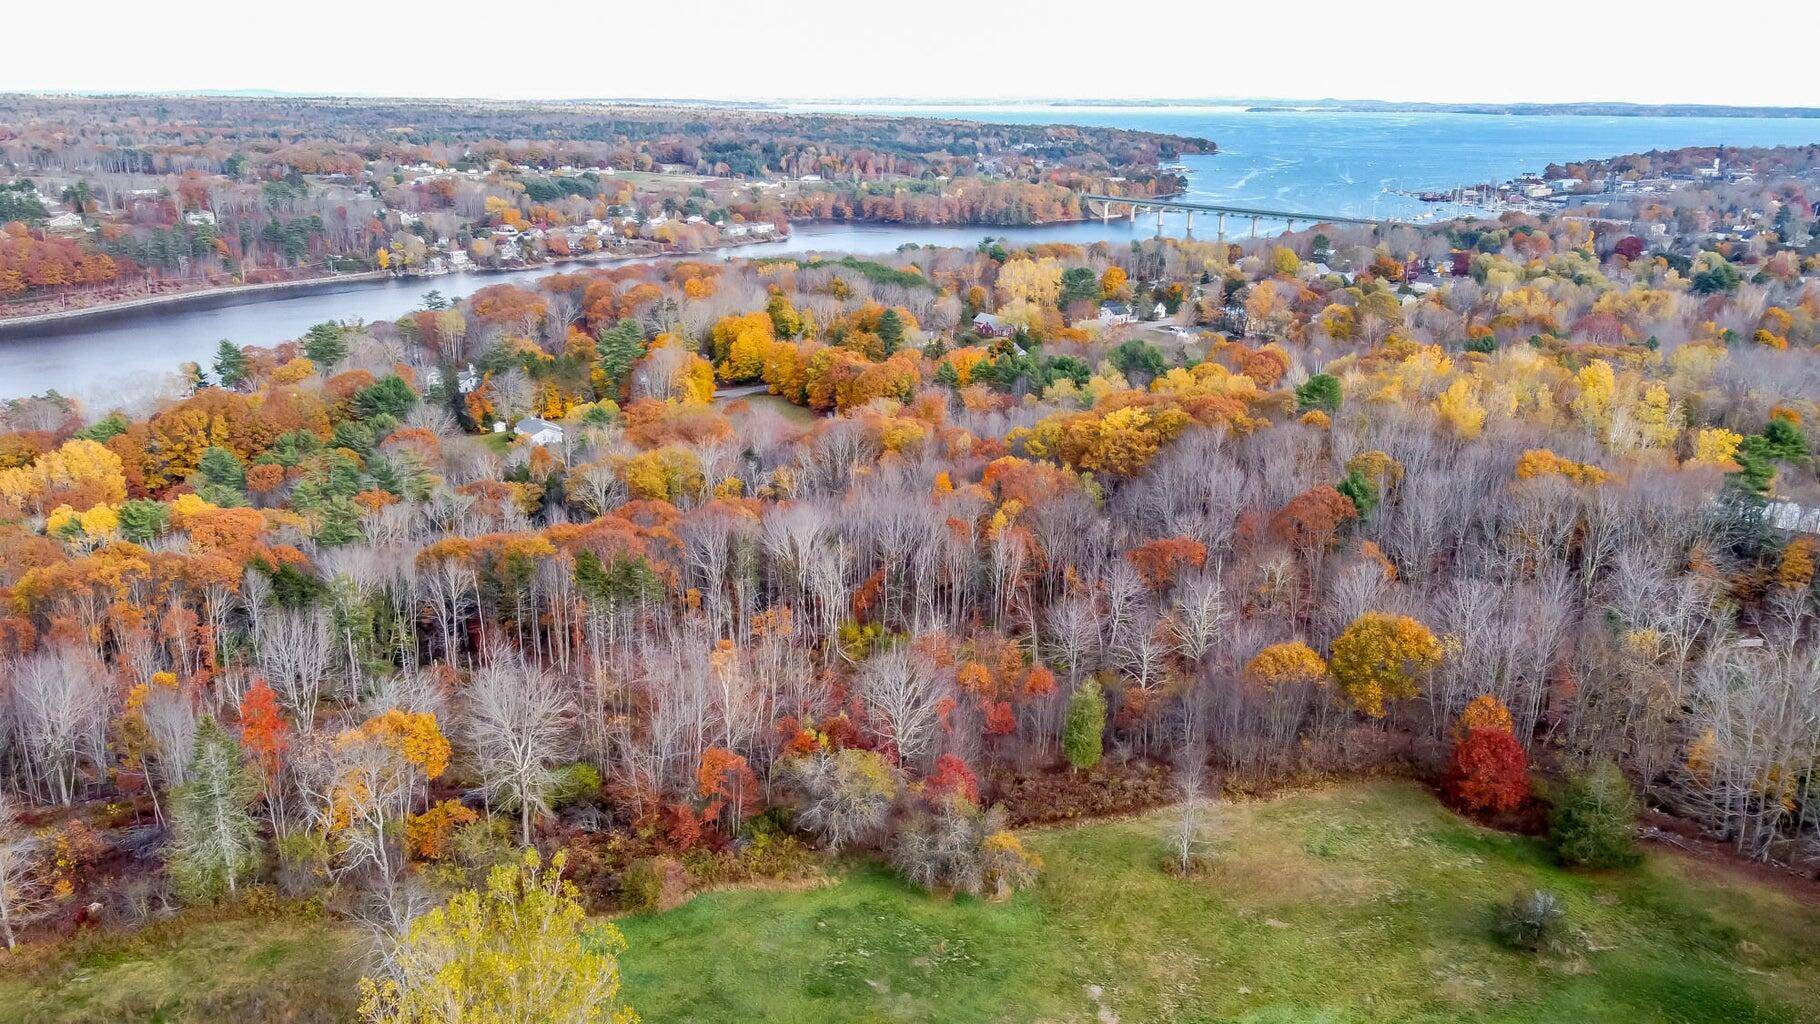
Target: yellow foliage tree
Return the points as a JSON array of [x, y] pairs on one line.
[[1716, 447], [1539, 462], [740, 345], [81, 473], [1038, 282], [1289, 662], [1598, 387], [1486, 712], [1381, 657], [1796, 570], [1460, 409], [521, 950]]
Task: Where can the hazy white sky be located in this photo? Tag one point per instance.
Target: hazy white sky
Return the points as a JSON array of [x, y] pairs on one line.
[[1662, 51]]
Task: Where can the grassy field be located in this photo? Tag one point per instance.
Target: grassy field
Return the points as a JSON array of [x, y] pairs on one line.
[[1366, 902]]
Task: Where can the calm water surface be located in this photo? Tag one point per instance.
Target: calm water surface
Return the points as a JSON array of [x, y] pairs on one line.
[[1322, 162]]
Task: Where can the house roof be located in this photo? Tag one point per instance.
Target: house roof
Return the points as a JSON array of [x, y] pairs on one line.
[[533, 424]]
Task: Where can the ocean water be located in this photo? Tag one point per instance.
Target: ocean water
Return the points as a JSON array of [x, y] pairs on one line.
[[1347, 164]]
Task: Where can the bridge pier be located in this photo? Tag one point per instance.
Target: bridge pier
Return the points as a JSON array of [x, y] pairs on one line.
[[1189, 230], [1254, 227], [1159, 222], [1222, 227], [1134, 213], [1105, 213]]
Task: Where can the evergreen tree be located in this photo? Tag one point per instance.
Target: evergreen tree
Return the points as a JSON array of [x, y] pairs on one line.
[[1085, 727], [324, 344], [1594, 820], [891, 330], [620, 346], [1079, 285], [1321, 391], [141, 521], [337, 522], [947, 377], [389, 395], [222, 468], [214, 841], [1360, 491], [230, 365]]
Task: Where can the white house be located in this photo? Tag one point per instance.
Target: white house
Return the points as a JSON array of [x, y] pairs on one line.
[[540, 431], [197, 218], [64, 222], [1116, 313]]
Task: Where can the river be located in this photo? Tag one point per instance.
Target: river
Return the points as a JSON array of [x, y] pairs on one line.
[[1326, 162]]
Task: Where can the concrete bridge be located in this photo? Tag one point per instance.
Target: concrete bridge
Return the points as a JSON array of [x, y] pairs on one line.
[[1106, 207]]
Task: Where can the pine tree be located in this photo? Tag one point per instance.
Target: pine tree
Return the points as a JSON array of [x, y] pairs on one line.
[[215, 842], [620, 347], [1085, 727], [891, 330], [324, 344], [220, 467], [230, 365]]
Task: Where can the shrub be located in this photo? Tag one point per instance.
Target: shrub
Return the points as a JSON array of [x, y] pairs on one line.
[[653, 883], [845, 796], [1533, 921], [303, 862], [484, 844], [573, 783], [951, 844], [1593, 823], [1488, 773]]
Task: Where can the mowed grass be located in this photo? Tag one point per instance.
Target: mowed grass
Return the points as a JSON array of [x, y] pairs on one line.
[[1365, 902]]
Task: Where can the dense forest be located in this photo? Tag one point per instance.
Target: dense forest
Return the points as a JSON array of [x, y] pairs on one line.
[[1009, 535]]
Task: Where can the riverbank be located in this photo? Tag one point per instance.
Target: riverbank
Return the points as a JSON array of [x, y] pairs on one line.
[[63, 320], [69, 321], [198, 298]]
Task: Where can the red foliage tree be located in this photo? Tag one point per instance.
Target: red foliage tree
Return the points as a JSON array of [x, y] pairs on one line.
[[1488, 773], [726, 781], [262, 729], [1160, 560], [1311, 518], [952, 775]]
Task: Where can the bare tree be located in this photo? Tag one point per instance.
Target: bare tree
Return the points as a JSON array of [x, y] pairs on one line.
[[903, 691], [26, 894], [519, 722]]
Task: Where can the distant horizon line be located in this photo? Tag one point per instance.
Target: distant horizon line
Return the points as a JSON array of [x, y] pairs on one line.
[[1250, 103]]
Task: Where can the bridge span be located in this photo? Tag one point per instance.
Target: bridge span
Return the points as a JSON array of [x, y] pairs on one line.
[[1106, 205]]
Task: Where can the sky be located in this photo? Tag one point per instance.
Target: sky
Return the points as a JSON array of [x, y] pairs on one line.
[[1595, 50]]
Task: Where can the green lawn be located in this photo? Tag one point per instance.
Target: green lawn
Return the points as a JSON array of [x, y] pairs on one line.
[[1361, 903], [1366, 902]]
